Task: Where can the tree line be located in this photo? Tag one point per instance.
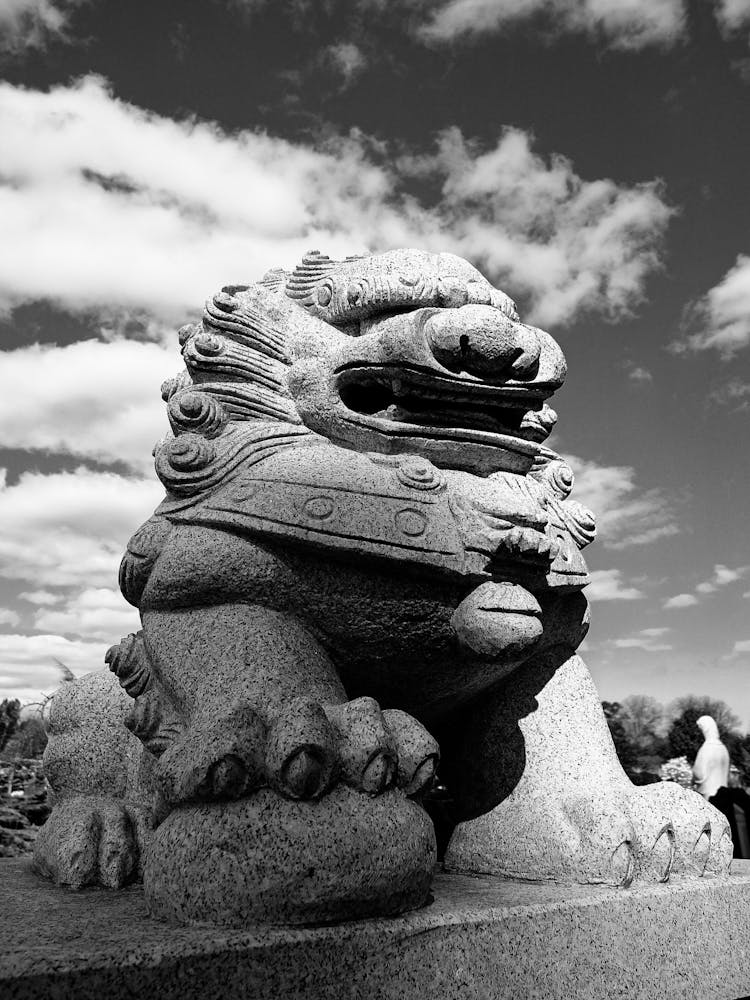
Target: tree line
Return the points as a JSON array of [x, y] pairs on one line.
[[23, 739], [646, 733]]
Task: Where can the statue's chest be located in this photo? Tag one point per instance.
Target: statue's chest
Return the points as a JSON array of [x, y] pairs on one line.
[[341, 500], [396, 508]]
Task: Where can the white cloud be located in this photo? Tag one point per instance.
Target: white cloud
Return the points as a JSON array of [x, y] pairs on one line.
[[9, 617], [92, 399], [740, 647], [608, 585], [70, 528], [108, 206], [733, 15], [29, 667], [681, 601], [625, 516], [723, 315], [95, 613], [28, 24], [518, 216], [646, 639], [640, 375], [347, 58], [41, 597], [621, 24], [734, 393], [722, 577], [641, 641]]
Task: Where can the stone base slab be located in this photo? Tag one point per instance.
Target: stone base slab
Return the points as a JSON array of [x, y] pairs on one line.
[[478, 938]]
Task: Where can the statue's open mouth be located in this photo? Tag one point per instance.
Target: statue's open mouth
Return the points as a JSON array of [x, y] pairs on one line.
[[407, 402]]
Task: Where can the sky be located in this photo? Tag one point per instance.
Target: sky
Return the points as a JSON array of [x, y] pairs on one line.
[[589, 156]]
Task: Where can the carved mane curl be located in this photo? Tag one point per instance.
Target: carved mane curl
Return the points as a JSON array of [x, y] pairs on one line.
[[230, 405]]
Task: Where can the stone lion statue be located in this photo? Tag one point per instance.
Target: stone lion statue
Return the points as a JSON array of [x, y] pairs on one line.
[[365, 553]]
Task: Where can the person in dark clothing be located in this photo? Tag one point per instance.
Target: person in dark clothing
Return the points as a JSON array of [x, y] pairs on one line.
[[734, 803]]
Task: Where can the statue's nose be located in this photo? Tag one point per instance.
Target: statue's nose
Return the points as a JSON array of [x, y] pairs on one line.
[[483, 341]]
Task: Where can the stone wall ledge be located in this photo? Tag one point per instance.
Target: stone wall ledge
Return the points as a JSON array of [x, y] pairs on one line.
[[480, 937]]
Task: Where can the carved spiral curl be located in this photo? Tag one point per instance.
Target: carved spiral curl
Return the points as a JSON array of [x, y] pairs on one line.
[[210, 357], [245, 318], [188, 453], [174, 384], [559, 476], [209, 344], [186, 332], [420, 474], [185, 463], [580, 522], [196, 412]]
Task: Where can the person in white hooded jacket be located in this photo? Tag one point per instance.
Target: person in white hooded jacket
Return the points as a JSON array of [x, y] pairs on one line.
[[711, 767]]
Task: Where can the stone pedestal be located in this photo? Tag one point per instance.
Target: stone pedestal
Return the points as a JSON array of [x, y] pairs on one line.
[[478, 938]]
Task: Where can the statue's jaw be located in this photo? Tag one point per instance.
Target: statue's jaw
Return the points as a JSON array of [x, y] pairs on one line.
[[463, 387], [456, 424], [480, 453], [394, 398]]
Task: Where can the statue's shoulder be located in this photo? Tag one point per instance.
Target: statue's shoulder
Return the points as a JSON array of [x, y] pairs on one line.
[[397, 507]]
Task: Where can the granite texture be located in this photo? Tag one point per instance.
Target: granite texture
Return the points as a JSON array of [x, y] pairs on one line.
[[478, 938], [350, 855], [573, 815], [365, 551], [101, 822]]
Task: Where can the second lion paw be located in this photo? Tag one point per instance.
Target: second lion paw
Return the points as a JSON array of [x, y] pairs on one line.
[[302, 754]]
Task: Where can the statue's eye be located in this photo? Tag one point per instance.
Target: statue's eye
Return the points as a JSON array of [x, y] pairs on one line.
[[324, 295]]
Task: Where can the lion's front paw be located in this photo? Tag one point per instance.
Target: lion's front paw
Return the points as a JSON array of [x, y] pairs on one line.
[[616, 836], [702, 838], [305, 751], [93, 840]]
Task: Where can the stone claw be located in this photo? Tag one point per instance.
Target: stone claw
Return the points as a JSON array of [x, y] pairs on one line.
[[418, 752], [301, 754], [703, 843], [720, 856], [367, 750], [303, 774], [216, 758], [301, 751], [701, 852], [622, 865], [380, 750], [656, 864], [228, 778]]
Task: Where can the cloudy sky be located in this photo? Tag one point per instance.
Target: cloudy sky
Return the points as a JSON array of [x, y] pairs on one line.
[[590, 156]]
